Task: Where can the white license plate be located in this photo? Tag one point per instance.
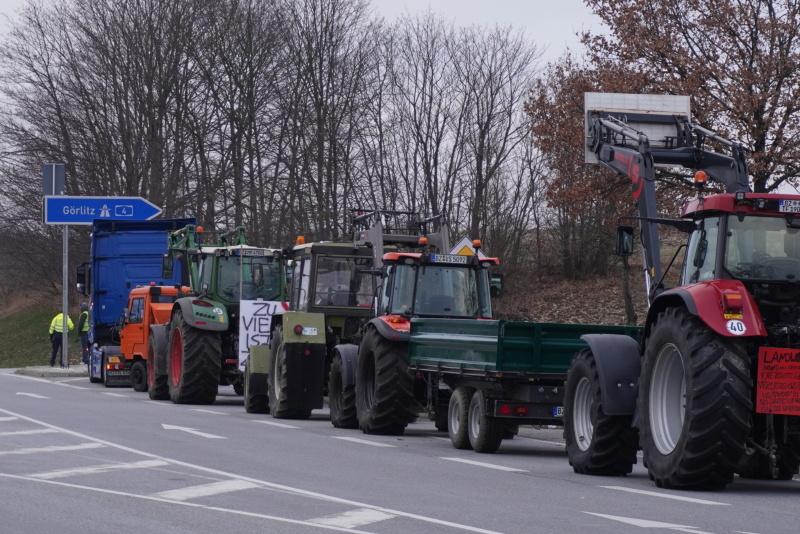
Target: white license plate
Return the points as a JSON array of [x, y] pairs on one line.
[[558, 411], [439, 258], [789, 206], [309, 331]]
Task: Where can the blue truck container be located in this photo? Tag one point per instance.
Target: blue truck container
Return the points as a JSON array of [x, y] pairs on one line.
[[123, 254]]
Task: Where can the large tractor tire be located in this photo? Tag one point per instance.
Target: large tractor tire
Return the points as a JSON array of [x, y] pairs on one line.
[[458, 417], [485, 432], [694, 403], [278, 381], [341, 400], [139, 376], [194, 362], [157, 384], [597, 444], [255, 401], [384, 387]]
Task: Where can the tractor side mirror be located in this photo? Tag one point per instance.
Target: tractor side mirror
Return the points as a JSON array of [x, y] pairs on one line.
[[496, 286], [167, 264], [624, 241]]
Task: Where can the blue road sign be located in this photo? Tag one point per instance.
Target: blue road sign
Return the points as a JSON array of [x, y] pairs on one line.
[[83, 210]]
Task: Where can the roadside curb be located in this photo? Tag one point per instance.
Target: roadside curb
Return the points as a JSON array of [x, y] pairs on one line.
[[46, 371]]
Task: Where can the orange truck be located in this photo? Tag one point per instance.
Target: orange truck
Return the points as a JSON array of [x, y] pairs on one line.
[[126, 364]]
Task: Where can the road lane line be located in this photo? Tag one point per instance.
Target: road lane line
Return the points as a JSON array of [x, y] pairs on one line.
[[273, 423], [53, 448], [192, 431], [62, 473], [364, 441], [353, 518], [5, 419], [666, 496], [483, 464], [28, 432], [115, 394], [206, 490], [207, 411], [220, 473], [34, 395]]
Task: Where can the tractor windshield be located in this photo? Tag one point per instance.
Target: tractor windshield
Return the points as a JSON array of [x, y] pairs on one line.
[[762, 248], [341, 282], [440, 291], [238, 278]]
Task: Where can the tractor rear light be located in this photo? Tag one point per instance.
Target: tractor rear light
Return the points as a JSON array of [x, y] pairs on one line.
[[505, 409], [202, 303], [733, 302], [115, 366], [298, 329], [520, 410]]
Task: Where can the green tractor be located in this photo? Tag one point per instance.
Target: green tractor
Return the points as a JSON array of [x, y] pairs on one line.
[[198, 350]]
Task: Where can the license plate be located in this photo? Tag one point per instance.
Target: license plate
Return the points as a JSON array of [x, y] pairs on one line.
[[441, 258], [558, 411], [309, 331], [118, 373], [789, 206]]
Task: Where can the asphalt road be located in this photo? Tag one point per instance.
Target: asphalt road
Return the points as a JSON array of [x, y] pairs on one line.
[[79, 457]]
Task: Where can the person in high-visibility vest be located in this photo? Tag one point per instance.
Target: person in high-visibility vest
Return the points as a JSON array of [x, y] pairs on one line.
[[83, 332], [57, 334]]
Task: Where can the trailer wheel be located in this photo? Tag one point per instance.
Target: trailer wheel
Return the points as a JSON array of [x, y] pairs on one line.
[[597, 444], [694, 403], [157, 384], [195, 363], [341, 400], [458, 417], [254, 401], [485, 433], [139, 376], [384, 387]]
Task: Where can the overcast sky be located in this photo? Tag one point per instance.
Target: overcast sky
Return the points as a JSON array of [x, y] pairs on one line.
[[548, 23]]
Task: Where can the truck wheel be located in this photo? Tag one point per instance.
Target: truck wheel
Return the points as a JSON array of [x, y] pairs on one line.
[[238, 387], [157, 385], [139, 376], [694, 403], [195, 363], [255, 401], [384, 387], [485, 433], [597, 444], [341, 400], [458, 417]]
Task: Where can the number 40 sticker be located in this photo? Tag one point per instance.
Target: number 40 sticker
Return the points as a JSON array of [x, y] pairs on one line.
[[737, 328]]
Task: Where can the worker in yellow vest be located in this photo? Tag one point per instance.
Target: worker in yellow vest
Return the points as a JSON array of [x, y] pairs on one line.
[[57, 334], [83, 332]]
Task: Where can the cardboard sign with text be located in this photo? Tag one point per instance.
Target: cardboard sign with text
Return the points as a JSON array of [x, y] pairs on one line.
[[778, 381], [255, 321]]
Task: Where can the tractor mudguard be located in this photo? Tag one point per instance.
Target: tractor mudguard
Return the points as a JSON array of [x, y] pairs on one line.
[[618, 366], [390, 333], [706, 301], [349, 354], [258, 360], [160, 336], [213, 317]]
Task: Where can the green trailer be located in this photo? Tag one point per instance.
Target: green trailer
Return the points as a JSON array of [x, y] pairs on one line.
[[499, 374]]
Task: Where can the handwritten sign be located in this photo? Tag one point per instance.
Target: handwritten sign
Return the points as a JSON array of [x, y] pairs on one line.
[[778, 381], [255, 321]]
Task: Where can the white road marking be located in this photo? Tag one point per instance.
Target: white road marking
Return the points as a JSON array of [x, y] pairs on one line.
[[62, 384], [646, 523], [34, 395], [207, 411], [483, 464], [219, 473], [114, 394], [62, 473], [273, 423], [364, 441], [53, 448], [159, 403], [192, 431], [28, 432], [666, 496], [353, 518], [206, 490], [4, 419]]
